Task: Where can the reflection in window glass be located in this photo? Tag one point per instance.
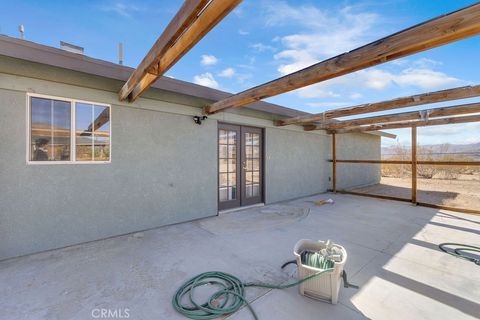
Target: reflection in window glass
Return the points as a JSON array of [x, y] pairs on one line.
[[92, 132], [83, 134], [101, 133], [50, 130]]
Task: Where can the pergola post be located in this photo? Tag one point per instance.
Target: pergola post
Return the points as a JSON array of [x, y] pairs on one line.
[[334, 163], [414, 164]]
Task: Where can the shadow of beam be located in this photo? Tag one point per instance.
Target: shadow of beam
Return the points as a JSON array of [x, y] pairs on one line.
[[450, 226], [454, 301], [451, 216], [424, 244]]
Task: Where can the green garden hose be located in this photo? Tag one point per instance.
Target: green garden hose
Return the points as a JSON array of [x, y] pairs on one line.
[[229, 298], [460, 250]]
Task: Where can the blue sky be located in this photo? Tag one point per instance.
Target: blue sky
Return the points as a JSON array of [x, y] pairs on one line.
[[264, 39]]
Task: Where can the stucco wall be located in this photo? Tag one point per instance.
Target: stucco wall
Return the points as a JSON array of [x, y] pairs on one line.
[[163, 169], [159, 164], [357, 147], [295, 164]]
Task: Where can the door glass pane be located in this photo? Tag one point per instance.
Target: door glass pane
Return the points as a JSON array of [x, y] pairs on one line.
[[222, 137], [249, 165], [256, 152], [256, 139], [248, 151], [232, 165], [248, 177], [232, 193], [256, 177], [222, 151], [223, 165], [248, 191], [248, 139], [256, 164], [223, 194], [227, 165], [223, 179], [232, 137], [255, 190], [232, 179], [232, 151], [252, 174]]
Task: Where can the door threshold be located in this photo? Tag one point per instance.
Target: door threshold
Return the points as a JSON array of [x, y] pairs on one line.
[[256, 205]]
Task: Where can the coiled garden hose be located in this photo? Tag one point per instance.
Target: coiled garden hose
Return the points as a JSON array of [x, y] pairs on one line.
[[228, 299], [460, 250]]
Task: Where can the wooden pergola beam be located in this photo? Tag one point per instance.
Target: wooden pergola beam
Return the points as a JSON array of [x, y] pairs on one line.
[[398, 117], [410, 101], [191, 23], [455, 26], [408, 124], [182, 20]]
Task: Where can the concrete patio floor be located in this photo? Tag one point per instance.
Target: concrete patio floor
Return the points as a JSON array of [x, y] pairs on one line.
[[392, 255]]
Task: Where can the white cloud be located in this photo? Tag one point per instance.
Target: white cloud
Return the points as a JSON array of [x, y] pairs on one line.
[[227, 73], [208, 60], [356, 95], [422, 78], [280, 13], [243, 32], [376, 79], [122, 9], [325, 34], [207, 80], [300, 59], [328, 105], [260, 47], [317, 91]]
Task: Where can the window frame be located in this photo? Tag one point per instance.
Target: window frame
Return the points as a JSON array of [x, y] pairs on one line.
[[73, 146]]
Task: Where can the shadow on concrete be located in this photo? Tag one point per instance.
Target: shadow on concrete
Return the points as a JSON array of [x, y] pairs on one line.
[[475, 231], [454, 301], [451, 216]]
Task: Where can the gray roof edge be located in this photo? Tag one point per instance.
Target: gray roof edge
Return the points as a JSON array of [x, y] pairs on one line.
[[31, 51]]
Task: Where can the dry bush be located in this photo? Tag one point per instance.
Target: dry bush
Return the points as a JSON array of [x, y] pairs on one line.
[[448, 172], [426, 171], [399, 152]]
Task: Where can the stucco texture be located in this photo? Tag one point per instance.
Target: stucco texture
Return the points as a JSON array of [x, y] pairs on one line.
[[162, 168], [295, 164], [357, 147]]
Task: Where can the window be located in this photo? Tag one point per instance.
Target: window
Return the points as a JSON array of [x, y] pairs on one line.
[[67, 131]]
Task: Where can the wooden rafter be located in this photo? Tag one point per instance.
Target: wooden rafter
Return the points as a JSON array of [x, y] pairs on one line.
[[410, 101], [455, 26], [408, 124], [398, 117], [192, 22]]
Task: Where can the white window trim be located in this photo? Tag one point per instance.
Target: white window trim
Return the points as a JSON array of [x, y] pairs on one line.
[[72, 130]]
